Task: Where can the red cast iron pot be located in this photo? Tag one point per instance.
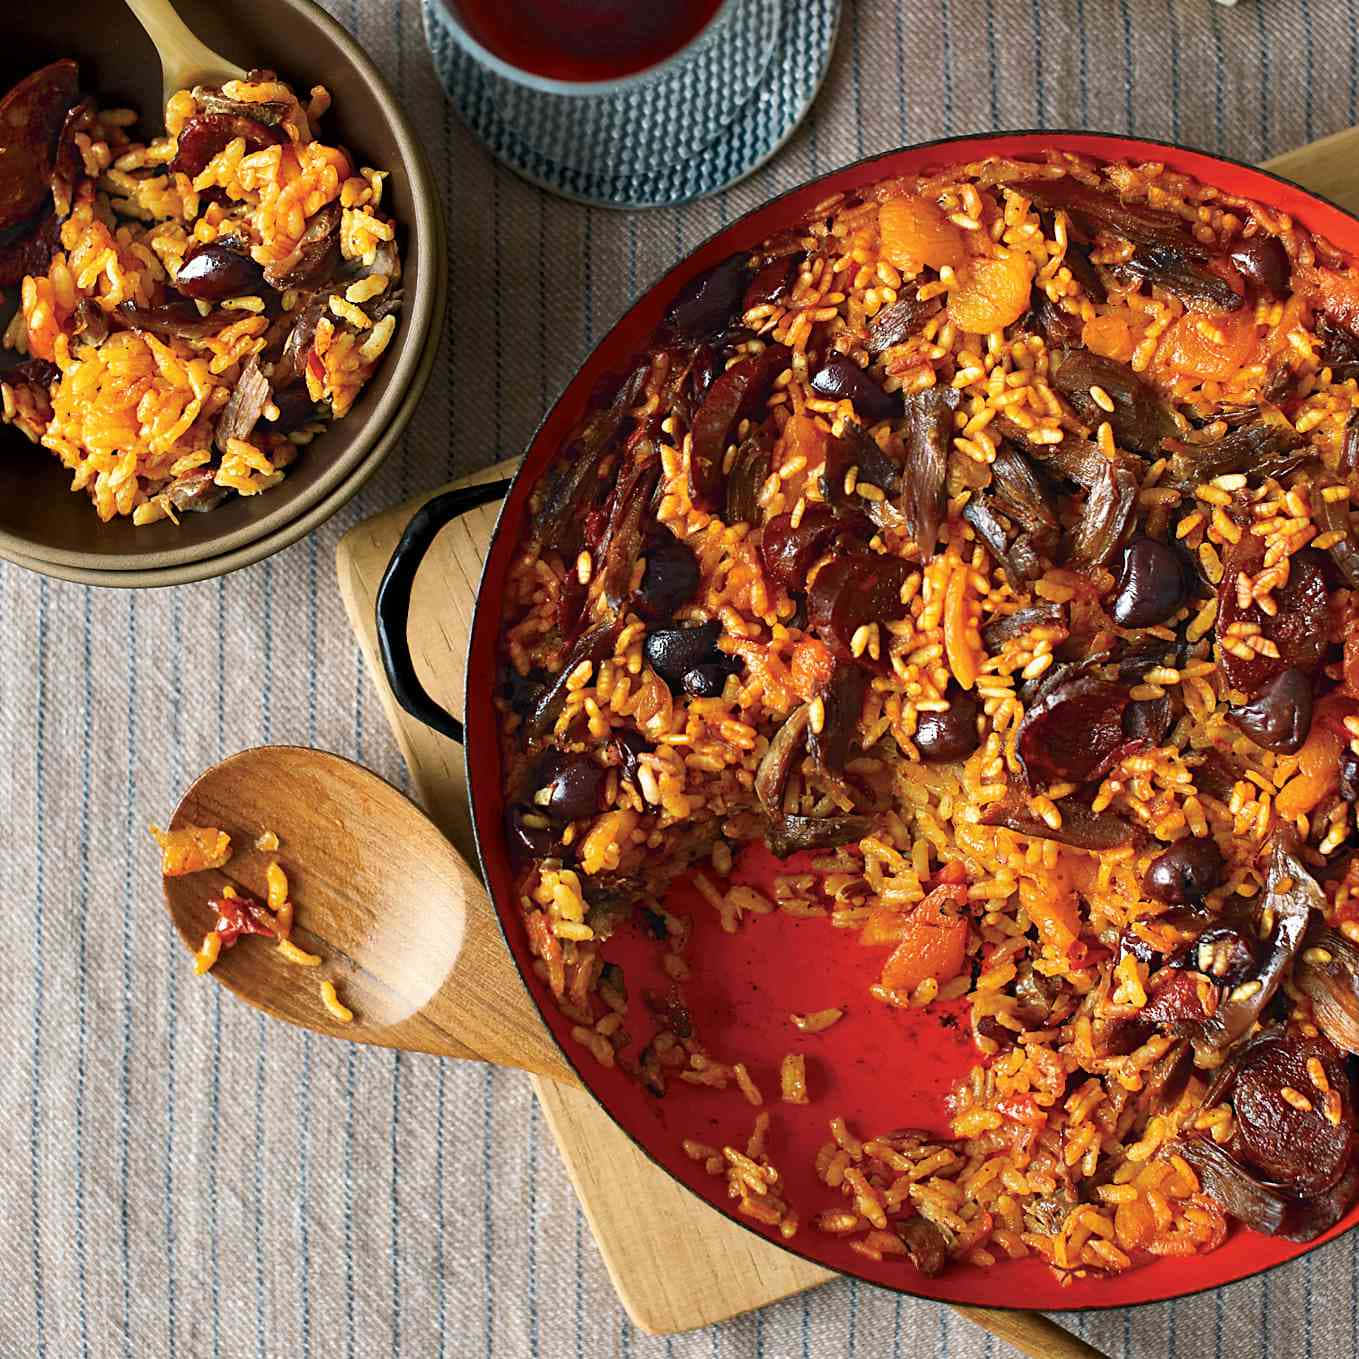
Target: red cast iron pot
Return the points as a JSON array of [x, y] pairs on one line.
[[879, 1068]]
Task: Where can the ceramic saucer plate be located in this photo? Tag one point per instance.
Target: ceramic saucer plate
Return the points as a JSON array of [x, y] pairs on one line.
[[708, 122]]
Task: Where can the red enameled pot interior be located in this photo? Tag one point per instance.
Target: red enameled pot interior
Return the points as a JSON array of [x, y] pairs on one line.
[[877, 1067]]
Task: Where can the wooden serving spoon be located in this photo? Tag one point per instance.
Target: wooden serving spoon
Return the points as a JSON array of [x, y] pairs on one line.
[[404, 929], [184, 61], [403, 926]]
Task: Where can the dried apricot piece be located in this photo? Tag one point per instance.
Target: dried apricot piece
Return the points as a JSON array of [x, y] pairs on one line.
[[993, 294], [191, 849], [1209, 347], [916, 235], [933, 941], [1109, 336], [1318, 773]]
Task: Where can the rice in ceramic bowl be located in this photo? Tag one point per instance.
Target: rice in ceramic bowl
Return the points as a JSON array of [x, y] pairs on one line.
[[195, 308]]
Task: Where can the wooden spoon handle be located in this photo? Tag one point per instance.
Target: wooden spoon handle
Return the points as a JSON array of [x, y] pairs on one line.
[[1029, 1332], [483, 1010], [184, 61]]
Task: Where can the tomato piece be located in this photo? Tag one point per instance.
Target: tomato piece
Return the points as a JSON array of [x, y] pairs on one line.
[[992, 295], [916, 235], [1209, 347], [1054, 911], [1022, 1109], [1109, 336], [1083, 955], [933, 942], [238, 915], [811, 667]]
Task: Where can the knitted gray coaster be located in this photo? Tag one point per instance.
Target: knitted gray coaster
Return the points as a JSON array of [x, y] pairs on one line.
[[690, 131]]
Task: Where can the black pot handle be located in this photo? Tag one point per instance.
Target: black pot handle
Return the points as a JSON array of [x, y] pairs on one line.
[[394, 600]]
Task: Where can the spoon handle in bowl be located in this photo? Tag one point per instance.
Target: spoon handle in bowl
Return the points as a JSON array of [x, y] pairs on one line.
[[184, 60]]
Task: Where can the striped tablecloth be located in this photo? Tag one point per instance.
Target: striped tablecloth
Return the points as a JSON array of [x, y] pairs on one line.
[[180, 1176]]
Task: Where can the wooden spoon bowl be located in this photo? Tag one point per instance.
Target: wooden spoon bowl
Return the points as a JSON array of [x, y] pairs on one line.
[[403, 927]]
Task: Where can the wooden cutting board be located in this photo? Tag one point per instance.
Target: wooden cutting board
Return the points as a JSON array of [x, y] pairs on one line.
[[709, 1269], [676, 1263]]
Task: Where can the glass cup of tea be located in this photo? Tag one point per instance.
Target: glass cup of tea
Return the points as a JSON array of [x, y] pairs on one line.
[[613, 87]]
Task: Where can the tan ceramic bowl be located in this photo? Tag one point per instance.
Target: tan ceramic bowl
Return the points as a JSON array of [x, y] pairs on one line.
[[43, 525]]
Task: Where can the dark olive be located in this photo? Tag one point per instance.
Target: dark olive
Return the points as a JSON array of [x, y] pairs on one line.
[[1280, 715], [673, 652], [1151, 584], [529, 833], [838, 379], [769, 283], [522, 692], [949, 735], [1263, 262], [1349, 775], [295, 408], [707, 306], [705, 681], [1186, 872], [1225, 954], [573, 784], [215, 271], [670, 579]]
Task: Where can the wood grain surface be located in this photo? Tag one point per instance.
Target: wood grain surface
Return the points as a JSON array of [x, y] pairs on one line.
[[1329, 167]]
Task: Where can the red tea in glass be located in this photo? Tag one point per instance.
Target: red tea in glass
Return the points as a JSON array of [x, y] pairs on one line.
[[584, 41]]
